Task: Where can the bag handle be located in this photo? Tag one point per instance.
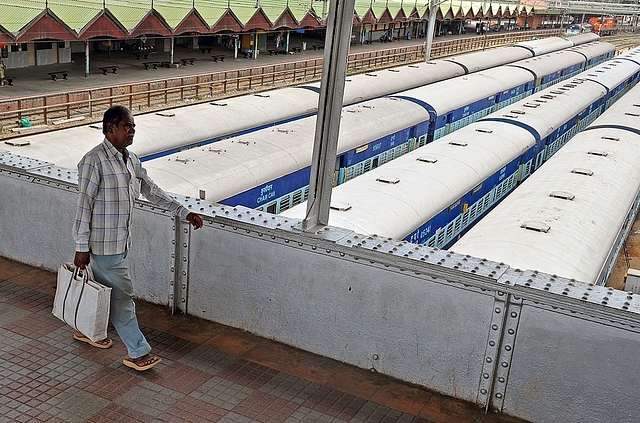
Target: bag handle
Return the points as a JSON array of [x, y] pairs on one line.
[[81, 276]]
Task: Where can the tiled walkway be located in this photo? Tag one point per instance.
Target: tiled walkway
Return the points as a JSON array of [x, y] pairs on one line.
[[209, 373]]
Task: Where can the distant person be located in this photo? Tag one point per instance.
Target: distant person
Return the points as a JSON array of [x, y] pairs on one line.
[[110, 179], [2, 69]]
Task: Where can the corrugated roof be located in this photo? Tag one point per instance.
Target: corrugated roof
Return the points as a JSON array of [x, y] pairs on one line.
[[76, 16], [15, 15], [173, 11]]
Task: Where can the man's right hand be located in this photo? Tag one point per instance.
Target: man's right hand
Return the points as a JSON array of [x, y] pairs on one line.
[[81, 260]]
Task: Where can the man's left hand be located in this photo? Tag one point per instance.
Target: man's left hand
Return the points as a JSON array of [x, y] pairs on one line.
[[195, 220]]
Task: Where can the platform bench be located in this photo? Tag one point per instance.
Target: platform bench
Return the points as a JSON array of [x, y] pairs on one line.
[[218, 57], [54, 75], [105, 69], [188, 60], [149, 65], [165, 64], [145, 54], [8, 80], [297, 49]]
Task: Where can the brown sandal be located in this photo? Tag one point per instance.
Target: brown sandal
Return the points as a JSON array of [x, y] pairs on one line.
[[141, 363], [105, 343]]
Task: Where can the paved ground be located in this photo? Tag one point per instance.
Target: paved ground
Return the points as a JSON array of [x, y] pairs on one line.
[[209, 373], [35, 79]]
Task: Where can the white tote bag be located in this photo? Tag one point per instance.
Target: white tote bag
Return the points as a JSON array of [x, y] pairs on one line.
[[81, 302]]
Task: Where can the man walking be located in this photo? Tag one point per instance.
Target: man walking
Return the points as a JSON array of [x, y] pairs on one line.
[[110, 179]]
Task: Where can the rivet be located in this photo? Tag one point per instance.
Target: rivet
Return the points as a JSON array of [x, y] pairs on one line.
[[485, 375], [375, 356], [497, 310], [492, 343], [505, 364], [514, 314], [501, 379], [483, 391], [507, 347], [488, 360], [498, 395], [494, 327], [511, 331]]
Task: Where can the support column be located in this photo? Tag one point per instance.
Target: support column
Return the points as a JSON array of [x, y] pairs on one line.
[[336, 50], [86, 58]]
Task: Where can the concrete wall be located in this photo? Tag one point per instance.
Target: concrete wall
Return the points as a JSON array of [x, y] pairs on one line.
[[521, 342]]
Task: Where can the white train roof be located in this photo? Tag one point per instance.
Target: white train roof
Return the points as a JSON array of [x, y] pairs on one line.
[[234, 165], [547, 63], [475, 62], [157, 132], [594, 49], [424, 188], [453, 94], [546, 45], [598, 168], [583, 38], [564, 237]]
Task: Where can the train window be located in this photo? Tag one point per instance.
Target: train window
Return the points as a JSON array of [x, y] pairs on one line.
[[582, 171], [536, 226], [598, 153], [610, 138], [563, 195], [285, 203], [427, 159], [271, 208], [455, 204]]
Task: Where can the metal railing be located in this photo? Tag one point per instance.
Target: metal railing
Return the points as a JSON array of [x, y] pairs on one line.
[[174, 92]]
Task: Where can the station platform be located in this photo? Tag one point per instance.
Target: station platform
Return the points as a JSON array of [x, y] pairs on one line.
[[36, 80], [209, 373]]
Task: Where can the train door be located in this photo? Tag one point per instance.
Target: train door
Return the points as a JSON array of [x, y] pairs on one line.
[[541, 153]]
